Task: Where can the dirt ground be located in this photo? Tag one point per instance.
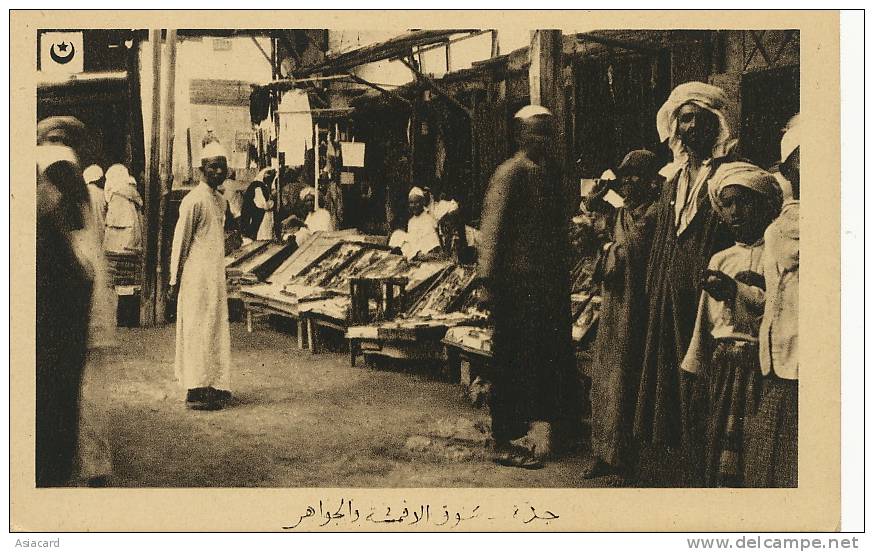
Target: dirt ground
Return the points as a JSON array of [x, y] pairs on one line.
[[299, 420]]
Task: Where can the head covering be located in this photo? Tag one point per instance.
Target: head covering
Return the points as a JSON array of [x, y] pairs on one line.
[[49, 154], [211, 150], [530, 111], [117, 174], [706, 96], [638, 162], [791, 138], [741, 173], [416, 191], [308, 191], [70, 127], [92, 174]]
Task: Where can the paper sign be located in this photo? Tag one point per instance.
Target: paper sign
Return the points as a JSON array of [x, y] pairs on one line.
[[353, 154], [586, 186], [614, 199]]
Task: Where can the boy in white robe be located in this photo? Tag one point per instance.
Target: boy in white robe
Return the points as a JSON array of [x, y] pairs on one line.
[[197, 279]]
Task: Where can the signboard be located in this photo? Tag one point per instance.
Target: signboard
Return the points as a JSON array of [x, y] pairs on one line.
[[62, 52]]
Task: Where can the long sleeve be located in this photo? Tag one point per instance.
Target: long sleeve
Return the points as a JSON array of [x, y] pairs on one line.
[[699, 350], [183, 236], [493, 221]]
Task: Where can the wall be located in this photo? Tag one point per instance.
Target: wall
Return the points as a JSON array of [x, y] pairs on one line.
[[236, 58]]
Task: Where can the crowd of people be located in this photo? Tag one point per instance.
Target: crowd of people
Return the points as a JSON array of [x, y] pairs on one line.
[[695, 360]]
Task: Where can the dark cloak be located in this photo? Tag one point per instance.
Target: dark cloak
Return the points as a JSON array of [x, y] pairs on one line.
[[673, 288], [524, 263]]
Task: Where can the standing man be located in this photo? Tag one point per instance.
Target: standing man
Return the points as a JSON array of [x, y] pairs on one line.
[[687, 234], [524, 270], [95, 180], [197, 278]]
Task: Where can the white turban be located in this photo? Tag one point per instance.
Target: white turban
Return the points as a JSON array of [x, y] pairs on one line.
[[92, 174], [532, 111], [117, 174], [791, 138], [308, 191], [211, 150], [741, 173], [706, 96], [416, 191]]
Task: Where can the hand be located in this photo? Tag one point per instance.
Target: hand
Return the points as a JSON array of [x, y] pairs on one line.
[[719, 285], [172, 293], [751, 278]]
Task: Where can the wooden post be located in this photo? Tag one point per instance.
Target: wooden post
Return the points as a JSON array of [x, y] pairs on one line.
[[316, 162], [546, 81], [167, 136], [152, 189]]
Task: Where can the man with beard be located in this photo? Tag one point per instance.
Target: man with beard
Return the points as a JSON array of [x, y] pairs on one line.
[[687, 234]]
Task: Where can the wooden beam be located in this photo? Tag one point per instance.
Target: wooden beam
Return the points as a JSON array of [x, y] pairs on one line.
[[152, 189], [436, 87], [167, 137], [375, 86]]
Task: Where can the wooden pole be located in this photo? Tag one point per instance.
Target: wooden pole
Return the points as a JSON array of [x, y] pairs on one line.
[[546, 80], [167, 136], [152, 190], [316, 162]]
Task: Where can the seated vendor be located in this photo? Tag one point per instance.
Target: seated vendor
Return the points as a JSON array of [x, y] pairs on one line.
[[421, 237], [317, 219]]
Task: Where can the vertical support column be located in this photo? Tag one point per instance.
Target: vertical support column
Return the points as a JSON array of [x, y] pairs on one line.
[[152, 191], [546, 88], [167, 138]]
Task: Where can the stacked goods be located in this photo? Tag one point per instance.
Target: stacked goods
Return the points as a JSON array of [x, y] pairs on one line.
[[326, 266], [124, 267], [445, 293], [340, 280]]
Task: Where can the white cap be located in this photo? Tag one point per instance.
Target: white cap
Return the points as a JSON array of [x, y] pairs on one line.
[[532, 111], [92, 174], [309, 190], [213, 149], [416, 191], [791, 138]]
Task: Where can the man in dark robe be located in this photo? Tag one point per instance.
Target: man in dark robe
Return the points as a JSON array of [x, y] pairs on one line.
[[63, 299], [523, 264], [621, 271], [687, 234]]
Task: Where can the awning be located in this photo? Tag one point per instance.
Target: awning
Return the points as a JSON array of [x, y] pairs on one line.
[[393, 48]]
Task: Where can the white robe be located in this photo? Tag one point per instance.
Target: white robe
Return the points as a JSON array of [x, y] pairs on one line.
[[203, 339], [124, 229], [317, 221], [421, 235], [265, 231]]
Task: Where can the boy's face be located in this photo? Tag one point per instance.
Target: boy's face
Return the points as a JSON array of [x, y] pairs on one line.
[[745, 212], [417, 205]]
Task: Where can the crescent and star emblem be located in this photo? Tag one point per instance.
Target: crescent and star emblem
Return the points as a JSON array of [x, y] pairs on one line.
[[65, 56]]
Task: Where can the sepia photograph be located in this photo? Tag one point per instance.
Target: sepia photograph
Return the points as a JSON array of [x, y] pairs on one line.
[[511, 256]]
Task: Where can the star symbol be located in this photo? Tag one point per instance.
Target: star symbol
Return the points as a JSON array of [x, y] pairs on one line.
[[62, 46]]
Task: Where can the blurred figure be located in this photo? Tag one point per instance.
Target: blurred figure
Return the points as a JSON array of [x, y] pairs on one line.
[[317, 219], [63, 297], [523, 267], [124, 230]]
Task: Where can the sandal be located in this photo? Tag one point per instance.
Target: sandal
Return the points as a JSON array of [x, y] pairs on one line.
[[518, 460]]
